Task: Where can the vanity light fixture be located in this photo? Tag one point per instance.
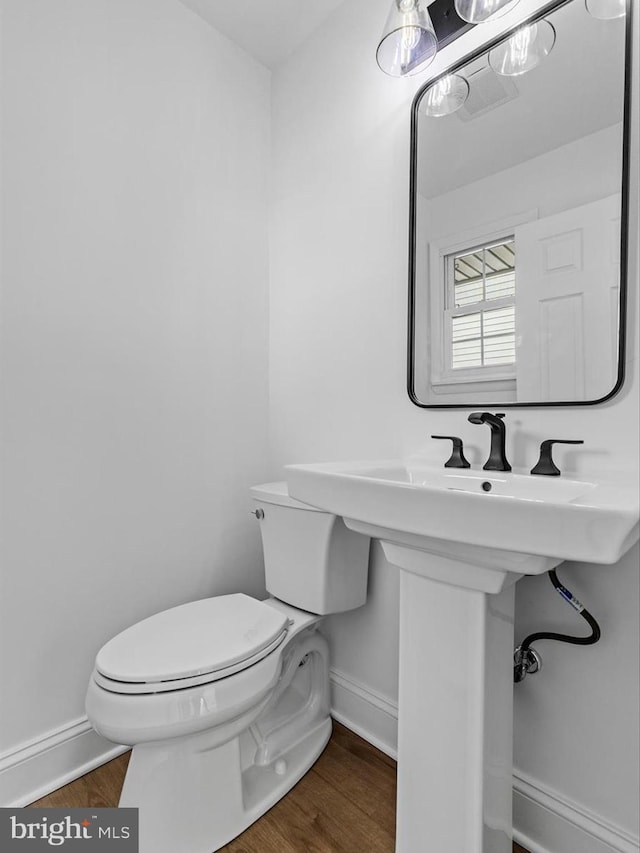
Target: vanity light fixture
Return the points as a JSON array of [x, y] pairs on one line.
[[409, 43], [446, 95], [526, 48], [606, 10], [479, 11]]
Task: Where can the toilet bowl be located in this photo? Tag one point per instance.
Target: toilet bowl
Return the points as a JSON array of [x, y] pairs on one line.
[[226, 700]]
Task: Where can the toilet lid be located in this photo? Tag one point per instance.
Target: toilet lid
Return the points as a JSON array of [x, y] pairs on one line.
[[191, 640]]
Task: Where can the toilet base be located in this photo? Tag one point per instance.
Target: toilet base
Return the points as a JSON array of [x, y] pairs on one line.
[[201, 811], [195, 794]]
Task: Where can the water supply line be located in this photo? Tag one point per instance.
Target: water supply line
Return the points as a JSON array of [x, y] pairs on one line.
[[526, 660]]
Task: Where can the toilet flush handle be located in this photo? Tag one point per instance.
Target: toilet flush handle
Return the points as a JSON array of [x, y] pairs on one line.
[[259, 513]]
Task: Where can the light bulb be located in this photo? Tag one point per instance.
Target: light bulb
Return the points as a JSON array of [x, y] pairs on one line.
[[446, 96], [479, 11], [606, 10], [520, 44], [524, 50], [409, 41]]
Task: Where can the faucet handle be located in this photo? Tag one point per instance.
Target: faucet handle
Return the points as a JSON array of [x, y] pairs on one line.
[[545, 464], [457, 458]]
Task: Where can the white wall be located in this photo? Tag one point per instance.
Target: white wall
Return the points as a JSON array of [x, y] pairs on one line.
[[337, 391], [548, 184], [135, 341]]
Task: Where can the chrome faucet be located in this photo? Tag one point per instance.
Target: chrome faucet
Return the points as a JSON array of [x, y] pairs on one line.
[[497, 460]]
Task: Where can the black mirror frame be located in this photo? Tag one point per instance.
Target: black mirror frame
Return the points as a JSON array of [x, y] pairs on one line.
[[624, 218]]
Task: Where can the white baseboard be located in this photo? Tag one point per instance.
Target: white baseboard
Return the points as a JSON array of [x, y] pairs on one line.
[[543, 820], [367, 713], [35, 769]]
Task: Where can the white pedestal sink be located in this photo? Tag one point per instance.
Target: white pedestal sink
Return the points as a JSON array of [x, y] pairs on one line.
[[462, 539]]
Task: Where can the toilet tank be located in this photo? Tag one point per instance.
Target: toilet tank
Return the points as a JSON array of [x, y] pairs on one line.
[[311, 559]]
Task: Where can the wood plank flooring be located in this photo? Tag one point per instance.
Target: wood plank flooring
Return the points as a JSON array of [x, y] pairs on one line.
[[344, 804]]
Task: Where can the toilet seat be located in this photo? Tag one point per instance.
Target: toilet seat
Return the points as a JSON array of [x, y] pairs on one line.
[[132, 687], [189, 645]]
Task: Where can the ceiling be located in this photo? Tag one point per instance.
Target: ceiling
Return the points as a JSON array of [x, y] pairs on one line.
[[269, 30], [576, 91]]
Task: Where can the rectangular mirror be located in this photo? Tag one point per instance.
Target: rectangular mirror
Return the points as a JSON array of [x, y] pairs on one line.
[[519, 167]]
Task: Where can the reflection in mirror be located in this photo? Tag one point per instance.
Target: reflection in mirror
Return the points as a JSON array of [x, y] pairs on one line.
[[517, 274]]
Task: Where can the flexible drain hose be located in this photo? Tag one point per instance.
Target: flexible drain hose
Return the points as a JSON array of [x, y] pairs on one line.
[[520, 671]]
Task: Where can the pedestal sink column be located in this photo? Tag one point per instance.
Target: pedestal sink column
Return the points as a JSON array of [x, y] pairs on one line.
[[455, 706]]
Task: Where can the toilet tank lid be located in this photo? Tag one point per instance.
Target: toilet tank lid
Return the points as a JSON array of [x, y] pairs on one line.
[[278, 493]]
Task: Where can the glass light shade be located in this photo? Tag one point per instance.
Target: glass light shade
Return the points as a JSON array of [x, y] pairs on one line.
[[479, 11], [446, 96], [526, 48], [606, 10], [409, 42]]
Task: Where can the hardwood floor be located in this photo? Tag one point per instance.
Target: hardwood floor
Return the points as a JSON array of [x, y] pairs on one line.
[[344, 804]]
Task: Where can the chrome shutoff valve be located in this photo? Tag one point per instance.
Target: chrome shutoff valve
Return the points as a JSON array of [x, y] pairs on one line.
[[525, 663]]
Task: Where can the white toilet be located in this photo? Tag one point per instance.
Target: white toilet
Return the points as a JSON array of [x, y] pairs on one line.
[[226, 700]]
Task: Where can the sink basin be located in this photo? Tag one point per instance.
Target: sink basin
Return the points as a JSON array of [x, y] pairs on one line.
[[555, 517]]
